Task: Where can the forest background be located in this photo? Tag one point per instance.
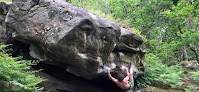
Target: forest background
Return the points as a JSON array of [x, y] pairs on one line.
[[170, 29]]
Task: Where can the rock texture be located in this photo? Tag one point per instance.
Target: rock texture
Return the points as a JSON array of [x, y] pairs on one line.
[[4, 35], [72, 38]]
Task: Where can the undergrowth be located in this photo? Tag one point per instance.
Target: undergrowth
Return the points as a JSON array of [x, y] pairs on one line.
[[195, 76], [160, 75], [15, 75], [5, 0]]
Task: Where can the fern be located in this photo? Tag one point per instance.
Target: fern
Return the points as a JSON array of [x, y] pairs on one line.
[[191, 88], [156, 73], [13, 77], [195, 76]]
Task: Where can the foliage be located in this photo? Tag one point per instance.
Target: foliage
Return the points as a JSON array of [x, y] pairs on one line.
[[195, 76], [158, 74], [15, 75], [161, 74], [183, 24], [103, 8], [6, 0], [191, 88], [163, 24]]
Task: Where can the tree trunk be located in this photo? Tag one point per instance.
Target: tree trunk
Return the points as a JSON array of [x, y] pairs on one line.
[[107, 7], [193, 31], [198, 18], [195, 52], [197, 48], [190, 22], [159, 39], [184, 54], [81, 3]]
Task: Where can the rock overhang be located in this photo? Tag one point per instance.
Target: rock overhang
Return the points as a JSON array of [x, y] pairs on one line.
[[70, 37]]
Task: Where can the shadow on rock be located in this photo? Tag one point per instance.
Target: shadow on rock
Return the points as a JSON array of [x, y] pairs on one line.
[[58, 80]]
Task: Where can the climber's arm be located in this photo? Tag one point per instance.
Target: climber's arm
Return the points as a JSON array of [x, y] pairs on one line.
[[112, 78]]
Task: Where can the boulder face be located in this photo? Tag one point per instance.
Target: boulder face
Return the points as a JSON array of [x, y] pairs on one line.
[[4, 35], [72, 38]]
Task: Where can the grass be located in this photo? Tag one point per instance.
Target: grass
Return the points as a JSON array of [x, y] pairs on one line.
[[5, 0]]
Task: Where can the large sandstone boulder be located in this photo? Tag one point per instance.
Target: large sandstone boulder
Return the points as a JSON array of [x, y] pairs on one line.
[[4, 35], [72, 38]]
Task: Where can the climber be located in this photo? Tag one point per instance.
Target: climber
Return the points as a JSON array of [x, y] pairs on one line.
[[122, 81]]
